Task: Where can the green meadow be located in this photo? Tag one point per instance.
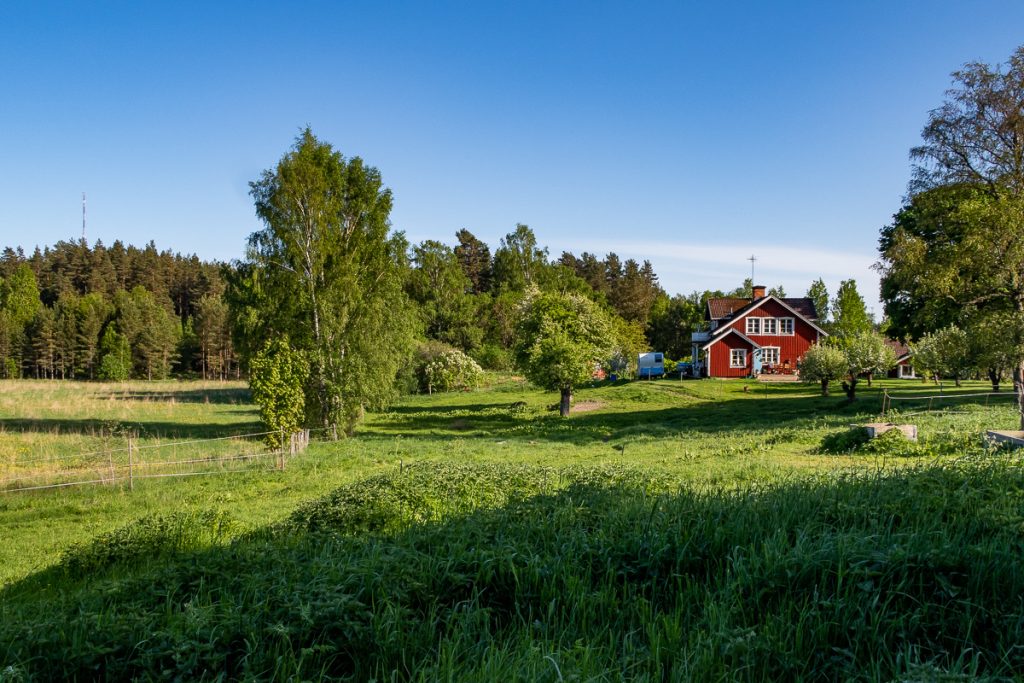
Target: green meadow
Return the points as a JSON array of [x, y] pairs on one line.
[[666, 530]]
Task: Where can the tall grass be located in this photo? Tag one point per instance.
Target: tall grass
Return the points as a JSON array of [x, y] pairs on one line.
[[558, 574]]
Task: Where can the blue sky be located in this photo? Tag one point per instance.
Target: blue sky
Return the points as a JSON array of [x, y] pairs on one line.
[[689, 134]]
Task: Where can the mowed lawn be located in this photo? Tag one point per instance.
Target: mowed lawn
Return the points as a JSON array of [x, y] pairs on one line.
[[703, 434]]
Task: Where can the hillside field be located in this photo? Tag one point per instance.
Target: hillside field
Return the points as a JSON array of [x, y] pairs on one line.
[[667, 530]]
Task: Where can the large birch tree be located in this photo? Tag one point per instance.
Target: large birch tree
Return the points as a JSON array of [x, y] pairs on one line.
[[327, 272]]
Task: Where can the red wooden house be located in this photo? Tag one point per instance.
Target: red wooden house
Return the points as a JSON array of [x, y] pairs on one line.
[[751, 336], [903, 369]]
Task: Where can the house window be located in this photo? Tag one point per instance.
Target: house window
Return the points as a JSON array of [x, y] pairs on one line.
[[738, 358], [753, 326], [770, 355], [769, 326], [786, 326]]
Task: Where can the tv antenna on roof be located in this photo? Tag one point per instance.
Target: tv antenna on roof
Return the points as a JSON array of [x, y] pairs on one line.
[[751, 259], [83, 216]]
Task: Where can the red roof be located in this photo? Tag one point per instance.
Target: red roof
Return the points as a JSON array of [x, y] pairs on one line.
[[727, 307], [900, 348]]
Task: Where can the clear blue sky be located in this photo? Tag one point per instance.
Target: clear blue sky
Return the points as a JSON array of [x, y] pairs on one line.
[[690, 134]]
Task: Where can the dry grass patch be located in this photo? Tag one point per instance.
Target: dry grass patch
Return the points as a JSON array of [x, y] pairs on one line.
[[588, 406]]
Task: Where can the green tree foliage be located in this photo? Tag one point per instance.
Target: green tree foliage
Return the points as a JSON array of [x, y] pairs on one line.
[[744, 291], [966, 249], [818, 293], [561, 340], [630, 342], [930, 254], [672, 321], [867, 353], [213, 329], [849, 314], [994, 340], [79, 283], [926, 357], [93, 312], [518, 261], [11, 341], [475, 260], [43, 333], [631, 288], [151, 329], [977, 136], [440, 287], [278, 375], [635, 291], [115, 356], [325, 272], [944, 353], [778, 291], [823, 363], [19, 295]]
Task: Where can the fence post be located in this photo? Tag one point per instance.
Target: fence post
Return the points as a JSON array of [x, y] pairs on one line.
[[280, 453], [131, 464]]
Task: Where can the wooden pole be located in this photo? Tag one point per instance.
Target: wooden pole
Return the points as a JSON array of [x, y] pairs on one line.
[[131, 463], [280, 455]]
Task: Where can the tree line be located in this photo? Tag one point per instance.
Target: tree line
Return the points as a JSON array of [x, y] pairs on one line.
[[75, 311]]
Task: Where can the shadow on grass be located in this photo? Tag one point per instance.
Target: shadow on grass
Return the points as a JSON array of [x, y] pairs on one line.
[[799, 581], [708, 416], [142, 428], [227, 395]]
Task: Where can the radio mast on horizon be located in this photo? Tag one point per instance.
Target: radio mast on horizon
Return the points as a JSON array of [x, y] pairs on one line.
[[83, 216]]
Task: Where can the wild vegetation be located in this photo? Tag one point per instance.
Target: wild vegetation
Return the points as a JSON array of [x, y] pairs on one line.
[[665, 529]]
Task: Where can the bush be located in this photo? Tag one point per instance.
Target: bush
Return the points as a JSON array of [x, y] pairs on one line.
[[844, 442], [276, 377], [892, 443], [440, 367], [493, 357]]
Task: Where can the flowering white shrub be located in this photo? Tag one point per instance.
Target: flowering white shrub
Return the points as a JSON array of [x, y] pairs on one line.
[[451, 370]]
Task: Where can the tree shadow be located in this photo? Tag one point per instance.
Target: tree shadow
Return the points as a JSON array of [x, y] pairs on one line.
[[907, 561], [708, 416], [224, 396], [141, 428]]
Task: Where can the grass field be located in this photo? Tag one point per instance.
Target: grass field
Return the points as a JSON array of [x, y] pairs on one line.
[[665, 531]]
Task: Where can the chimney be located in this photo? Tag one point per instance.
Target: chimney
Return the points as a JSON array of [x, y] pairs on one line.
[[758, 292]]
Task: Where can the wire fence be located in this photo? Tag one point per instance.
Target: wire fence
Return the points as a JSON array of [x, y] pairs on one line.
[[907, 404], [129, 461]]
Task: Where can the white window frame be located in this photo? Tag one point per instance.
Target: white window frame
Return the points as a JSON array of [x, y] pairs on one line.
[[770, 322], [737, 353], [784, 323], [753, 329], [765, 350]]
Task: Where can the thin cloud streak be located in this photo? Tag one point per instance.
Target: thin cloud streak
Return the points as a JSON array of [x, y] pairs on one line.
[[815, 262], [684, 267]]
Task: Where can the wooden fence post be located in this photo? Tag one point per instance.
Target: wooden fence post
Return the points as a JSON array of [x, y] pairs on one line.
[[280, 453], [131, 464]]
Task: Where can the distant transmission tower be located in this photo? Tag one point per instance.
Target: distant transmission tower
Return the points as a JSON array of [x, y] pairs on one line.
[[83, 216]]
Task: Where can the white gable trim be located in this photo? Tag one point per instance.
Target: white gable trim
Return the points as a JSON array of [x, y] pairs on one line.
[[730, 330], [764, 300]]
